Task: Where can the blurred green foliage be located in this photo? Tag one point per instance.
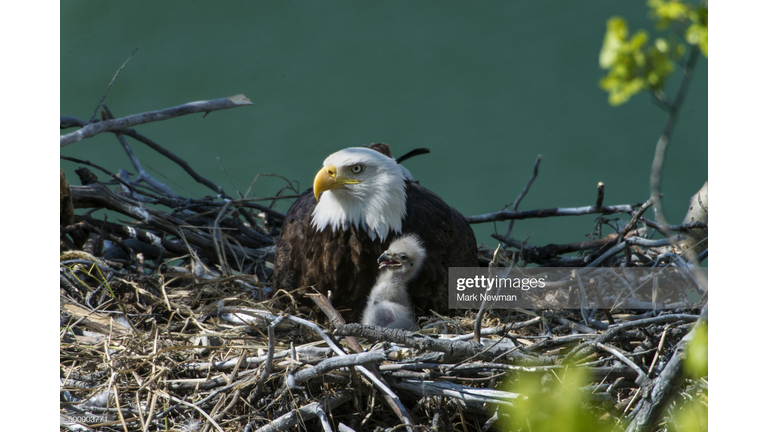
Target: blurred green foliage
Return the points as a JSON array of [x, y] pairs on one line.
[[635, 62], [553, 403], [691, 414], [696, 362], [560, 402]]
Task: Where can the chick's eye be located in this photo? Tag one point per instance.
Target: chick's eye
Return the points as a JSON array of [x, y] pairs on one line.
[[357, 169], [403, 256]]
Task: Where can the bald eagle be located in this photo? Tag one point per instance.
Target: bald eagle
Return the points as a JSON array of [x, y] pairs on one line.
[[366, 199], [388, 304]]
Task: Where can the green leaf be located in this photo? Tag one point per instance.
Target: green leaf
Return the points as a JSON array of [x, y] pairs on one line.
[[666, 11], [697, 34], [553, 403], [691, 415], [696, 362], [634, 63], [615, 36]]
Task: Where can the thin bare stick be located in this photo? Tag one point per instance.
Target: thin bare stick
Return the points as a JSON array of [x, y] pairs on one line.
[[641, 376], [519, 198], [153, 116], [104, 96], [613, 247], [270, 355], [479, 319], [336, 319], [203, 413], [142, 174], [200, 179]]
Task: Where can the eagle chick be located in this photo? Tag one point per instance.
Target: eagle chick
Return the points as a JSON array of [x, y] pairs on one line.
[[388, 304]]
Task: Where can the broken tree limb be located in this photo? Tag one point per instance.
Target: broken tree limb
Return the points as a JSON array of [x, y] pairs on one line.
[[550, 212], [663, 142], [116, 125], [307, 412], [470, 395], [338, 363], [696, 240], [454, 349]]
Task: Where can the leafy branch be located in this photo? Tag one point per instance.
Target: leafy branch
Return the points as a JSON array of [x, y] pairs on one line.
[[637, 62]]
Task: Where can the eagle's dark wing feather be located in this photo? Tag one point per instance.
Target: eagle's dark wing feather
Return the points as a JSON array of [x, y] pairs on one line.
[[345, 263], [448, 239]]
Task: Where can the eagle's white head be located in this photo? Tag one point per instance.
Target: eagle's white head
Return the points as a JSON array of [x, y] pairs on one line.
[[360, 188]]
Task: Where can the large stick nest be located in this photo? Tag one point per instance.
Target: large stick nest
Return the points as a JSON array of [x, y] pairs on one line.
[[169, 322]]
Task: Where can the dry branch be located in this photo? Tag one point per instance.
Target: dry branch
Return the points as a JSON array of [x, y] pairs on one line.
[[696, 239], [306, 412], [520, 197], [133, 120], [453, 349], [465, 394], [666, 135], [550, 212], [337, 363]]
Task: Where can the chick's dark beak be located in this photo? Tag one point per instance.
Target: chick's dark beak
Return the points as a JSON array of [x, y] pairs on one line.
[[388, 260]]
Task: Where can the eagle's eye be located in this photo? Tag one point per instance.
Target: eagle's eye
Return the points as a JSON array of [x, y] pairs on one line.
[[356, 169], [403, 256]]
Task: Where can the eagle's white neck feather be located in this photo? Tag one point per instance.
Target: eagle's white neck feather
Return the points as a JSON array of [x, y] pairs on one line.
[[376, 205]]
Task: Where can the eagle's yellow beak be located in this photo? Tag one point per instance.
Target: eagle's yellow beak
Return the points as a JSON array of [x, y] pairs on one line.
[[327, 179]]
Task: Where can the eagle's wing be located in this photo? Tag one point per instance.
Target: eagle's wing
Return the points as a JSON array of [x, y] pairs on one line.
[[448, 239], [344, 263], [292, 245]]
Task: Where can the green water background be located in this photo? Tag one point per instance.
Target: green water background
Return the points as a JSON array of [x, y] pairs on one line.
[[486, 86]]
